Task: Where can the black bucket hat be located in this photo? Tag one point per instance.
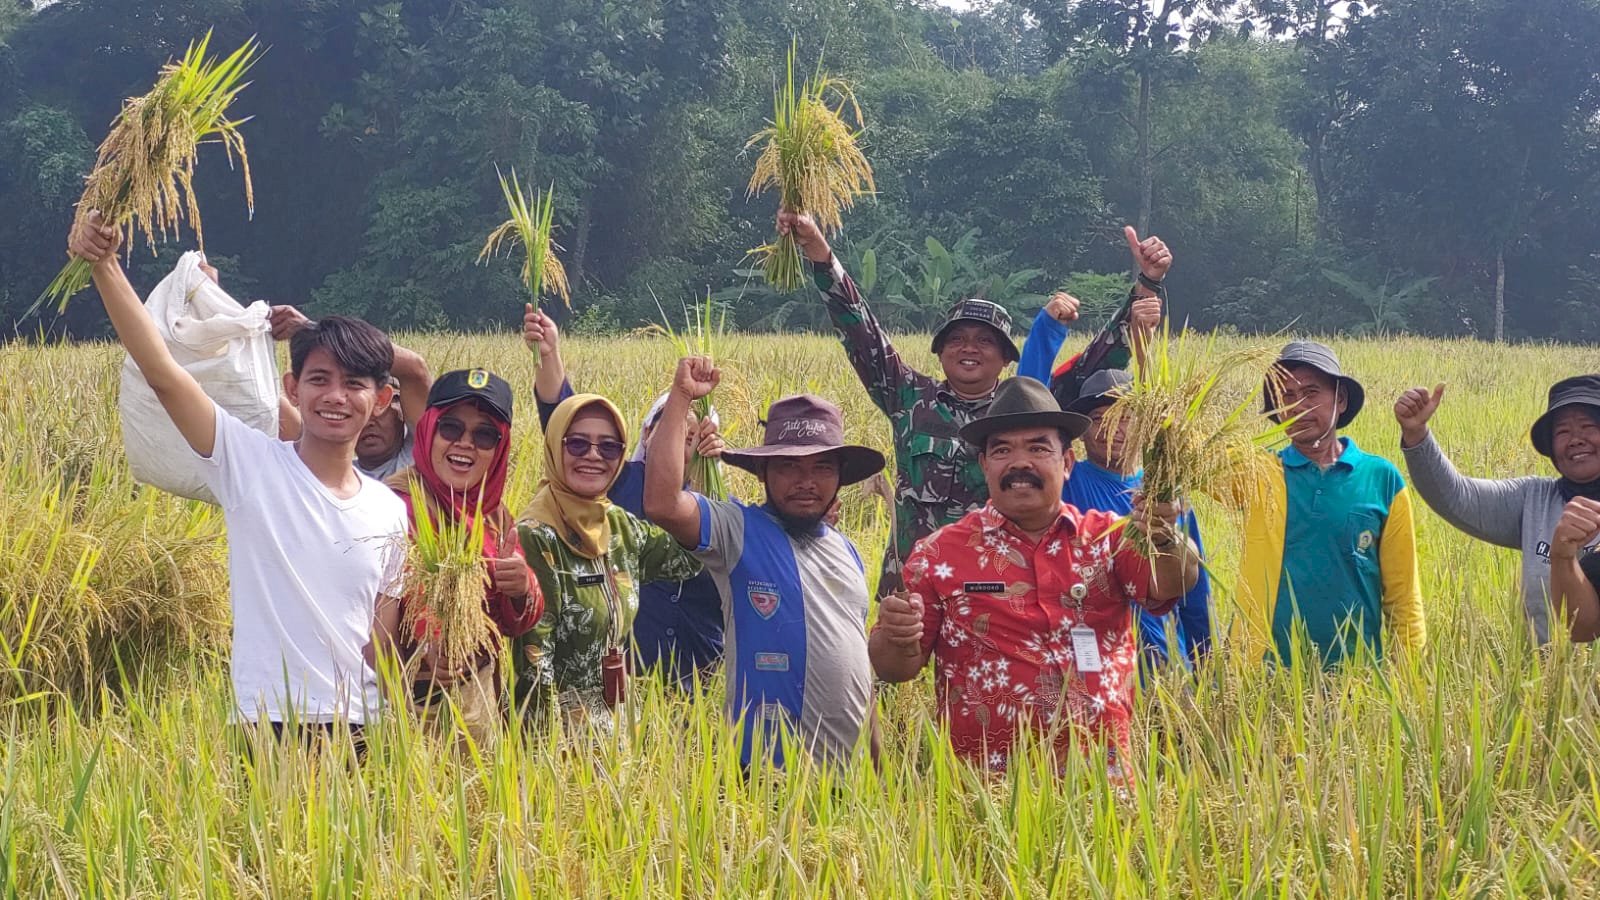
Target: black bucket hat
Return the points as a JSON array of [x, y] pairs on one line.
[[1322, 358], [1579, 390], [984, 312], [1023, 402], [806, 425], [1102, 388], [473, 384]]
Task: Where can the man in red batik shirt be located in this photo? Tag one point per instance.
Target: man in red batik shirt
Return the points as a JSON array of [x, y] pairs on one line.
[[1025, 603]]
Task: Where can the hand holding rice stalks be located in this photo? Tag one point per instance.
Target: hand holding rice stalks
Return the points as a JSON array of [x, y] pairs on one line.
[[1200, 429], [814, 160], [446, 579], [705, 333], [143, 177], [531, 223]]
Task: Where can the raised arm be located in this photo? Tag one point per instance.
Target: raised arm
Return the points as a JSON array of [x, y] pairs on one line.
[[411, 370], [1151, 262], [1572, 590], [867, 346], [666, 503], [194, 413], [1489, 510], [1046, 335], [539, 332]]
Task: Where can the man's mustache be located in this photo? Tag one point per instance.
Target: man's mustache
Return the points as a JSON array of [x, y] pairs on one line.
[[1022, 476]]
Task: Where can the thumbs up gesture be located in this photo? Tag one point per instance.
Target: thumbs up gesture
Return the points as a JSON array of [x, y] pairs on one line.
[[1413, 410], [1150, 255]]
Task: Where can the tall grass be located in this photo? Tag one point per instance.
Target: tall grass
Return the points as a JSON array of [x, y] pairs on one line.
[[1470, 771], [143, 177]]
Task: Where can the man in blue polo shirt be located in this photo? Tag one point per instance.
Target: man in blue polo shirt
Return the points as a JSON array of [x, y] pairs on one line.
[[794, 591], [1106, 479]]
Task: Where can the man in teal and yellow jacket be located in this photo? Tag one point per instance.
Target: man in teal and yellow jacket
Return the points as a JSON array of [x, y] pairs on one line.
[[1330, 544]]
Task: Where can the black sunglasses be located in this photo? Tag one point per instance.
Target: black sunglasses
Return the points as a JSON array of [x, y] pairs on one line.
[[484, 437], [610, 449]]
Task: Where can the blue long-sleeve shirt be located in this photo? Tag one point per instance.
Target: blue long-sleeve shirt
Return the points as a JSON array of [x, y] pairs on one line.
[[679, 623], [1092, 487]]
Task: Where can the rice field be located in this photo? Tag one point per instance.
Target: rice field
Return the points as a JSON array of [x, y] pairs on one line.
[[1468, 772]]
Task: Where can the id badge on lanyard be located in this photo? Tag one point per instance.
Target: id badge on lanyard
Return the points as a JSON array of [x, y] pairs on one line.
[[1085, 643]]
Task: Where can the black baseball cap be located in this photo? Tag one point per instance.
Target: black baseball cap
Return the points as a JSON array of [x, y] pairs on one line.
[[473, 384]]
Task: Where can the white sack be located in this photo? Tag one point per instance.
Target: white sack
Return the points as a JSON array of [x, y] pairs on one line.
[[226, 347]]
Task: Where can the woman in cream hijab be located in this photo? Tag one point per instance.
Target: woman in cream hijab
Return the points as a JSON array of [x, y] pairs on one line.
[[589, 557]]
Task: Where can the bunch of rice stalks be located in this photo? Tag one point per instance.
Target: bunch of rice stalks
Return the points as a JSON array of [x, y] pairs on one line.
[[445, 582], [531, 223], [1201, 429], [814, 159], [705, 333], [143, 178]]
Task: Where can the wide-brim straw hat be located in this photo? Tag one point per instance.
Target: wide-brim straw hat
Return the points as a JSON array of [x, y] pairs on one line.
[[807, 425], [1023, 402]]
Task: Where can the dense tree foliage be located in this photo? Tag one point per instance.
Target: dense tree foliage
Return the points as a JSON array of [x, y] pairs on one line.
[[1321, 165]]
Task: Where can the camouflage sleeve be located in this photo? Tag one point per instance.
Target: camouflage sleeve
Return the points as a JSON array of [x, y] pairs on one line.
[[874, 358]]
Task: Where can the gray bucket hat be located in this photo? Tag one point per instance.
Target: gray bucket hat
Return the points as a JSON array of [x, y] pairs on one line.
[[1322, 358]]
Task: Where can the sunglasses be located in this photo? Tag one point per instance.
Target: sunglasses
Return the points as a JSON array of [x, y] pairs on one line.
[[484, 437], [610, 449]]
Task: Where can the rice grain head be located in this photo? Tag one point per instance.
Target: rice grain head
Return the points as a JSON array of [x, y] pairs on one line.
[[532, 222], [813, 157], [143, 178], [445, 584], [1196, 411]]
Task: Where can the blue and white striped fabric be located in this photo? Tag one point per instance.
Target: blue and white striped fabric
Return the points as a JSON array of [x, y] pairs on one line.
[[795, 617]]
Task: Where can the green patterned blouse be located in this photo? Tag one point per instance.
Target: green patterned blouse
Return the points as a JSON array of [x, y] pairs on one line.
[[561, 655]]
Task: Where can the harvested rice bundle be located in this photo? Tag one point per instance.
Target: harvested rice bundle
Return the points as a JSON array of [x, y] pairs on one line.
[[814, 159], [445, 586], [1201, 428], [705, 333], [143, 178], [531, 224]]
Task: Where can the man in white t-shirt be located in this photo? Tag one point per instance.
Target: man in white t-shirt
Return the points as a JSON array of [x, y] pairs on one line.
[[315, 549], [386, 443]]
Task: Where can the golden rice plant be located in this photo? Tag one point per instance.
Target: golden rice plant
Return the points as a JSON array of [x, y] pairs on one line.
[[1196, 411], [814, 159], [531, 223], [143, 178], [445, 583], [705, 333]]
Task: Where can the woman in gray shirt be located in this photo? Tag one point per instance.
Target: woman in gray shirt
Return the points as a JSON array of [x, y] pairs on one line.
[[1514, 512]]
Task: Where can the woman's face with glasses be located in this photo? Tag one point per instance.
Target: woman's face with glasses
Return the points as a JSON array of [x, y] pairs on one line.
[[591, 452], [464, 442]]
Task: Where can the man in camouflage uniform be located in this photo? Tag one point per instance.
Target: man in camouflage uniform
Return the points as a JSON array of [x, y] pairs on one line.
[[937, 477]]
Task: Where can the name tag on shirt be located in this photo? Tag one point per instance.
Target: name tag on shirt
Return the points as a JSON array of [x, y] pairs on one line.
[[983, 587], [1086, 649], [594, 580]]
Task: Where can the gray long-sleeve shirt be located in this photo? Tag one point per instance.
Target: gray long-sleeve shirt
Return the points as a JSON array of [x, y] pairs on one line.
[[1512, 512]]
